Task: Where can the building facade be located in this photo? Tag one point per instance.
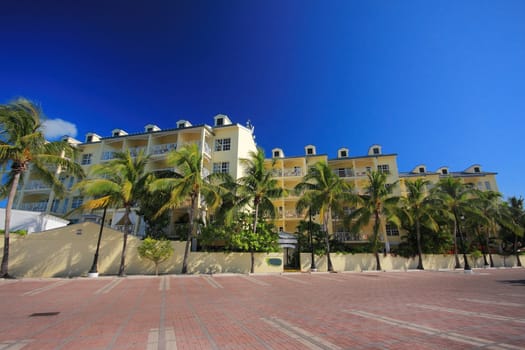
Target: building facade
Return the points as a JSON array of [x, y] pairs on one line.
[[353, 169], [222, 146]]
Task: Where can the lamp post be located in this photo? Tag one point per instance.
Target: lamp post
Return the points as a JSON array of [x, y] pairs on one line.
[[313, 268], [93, 272]]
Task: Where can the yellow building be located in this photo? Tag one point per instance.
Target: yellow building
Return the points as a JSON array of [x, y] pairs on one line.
[[222, 146], [290, 170]]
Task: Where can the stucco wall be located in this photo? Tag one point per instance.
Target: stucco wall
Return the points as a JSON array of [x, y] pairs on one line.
[[367, 262], [69, 251]]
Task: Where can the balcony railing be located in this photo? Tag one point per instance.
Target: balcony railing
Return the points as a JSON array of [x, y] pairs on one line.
[[349, 237], [134, 151], [344, 172], [293, 172], [34, 206], [37, 185], [163, 148]]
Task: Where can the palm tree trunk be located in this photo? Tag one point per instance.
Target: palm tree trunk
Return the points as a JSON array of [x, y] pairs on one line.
[[327, 242], [121, 271], [376, 235], [463, 244], [456, 257], [184, 269], [483, 248], [419, 249], [518, 261], [5, 258], [252, 252]]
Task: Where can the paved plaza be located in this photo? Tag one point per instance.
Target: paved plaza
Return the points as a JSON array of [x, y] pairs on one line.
[[369, 310]]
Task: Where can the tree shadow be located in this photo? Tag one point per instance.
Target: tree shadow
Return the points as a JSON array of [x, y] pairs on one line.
[[514, 282]]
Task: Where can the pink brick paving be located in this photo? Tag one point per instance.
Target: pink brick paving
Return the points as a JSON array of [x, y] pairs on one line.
[[394, 310]]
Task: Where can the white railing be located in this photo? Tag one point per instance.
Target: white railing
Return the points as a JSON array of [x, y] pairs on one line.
[[134, 151], [344, 172], [348, 236], [163, 148], [34, 206], [37, 185], [293, 172]]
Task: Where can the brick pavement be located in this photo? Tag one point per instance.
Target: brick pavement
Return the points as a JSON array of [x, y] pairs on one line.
[[369, 310]]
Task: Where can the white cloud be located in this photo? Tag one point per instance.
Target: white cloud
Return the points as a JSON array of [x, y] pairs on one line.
[[56, 128]]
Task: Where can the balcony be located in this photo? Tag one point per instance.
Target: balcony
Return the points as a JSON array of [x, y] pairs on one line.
[[344, 172], [293, 172], [134, 151], [350, 237], [163, 148], [34, 206], [37, 186]]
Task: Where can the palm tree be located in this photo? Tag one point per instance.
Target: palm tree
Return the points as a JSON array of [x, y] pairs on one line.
[[518, 219], [493, 214], [188, 185], [455, 199], [377, 202], [119, 183], [416, 208], [22, 144], [258, 187], [324, 192]]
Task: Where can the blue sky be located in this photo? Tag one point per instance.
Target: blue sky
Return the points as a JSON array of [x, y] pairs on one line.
[[437, 82]]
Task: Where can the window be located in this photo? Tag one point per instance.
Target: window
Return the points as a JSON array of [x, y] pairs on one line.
[[368, 169], [276, 154], [223, 144], [444, 171], [89, 138], [86, 158], [487, 185], [181, 125], [150, 129], [383, 168], [343, 154], [220, 121], [375, 150], [309, 151], [392, 230], [477, 169], [421, 170], [77, 202], [221, 167]]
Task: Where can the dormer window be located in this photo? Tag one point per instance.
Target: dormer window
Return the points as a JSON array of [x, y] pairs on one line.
[[309, 151], [375, 150], [421, 170], [276, 154], [343, 154], [477, 169], [181, 125], [89, 138], [444, 171], [116, 133], [220, 121]]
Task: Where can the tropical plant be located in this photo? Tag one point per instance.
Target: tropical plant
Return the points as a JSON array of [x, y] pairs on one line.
[[118, 183], [375, 204], [416, 208], [156, 251], [326, 193], [455, 200], [517, 214], [257, 188], [493, 214], [23, 145], [189, 185]]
